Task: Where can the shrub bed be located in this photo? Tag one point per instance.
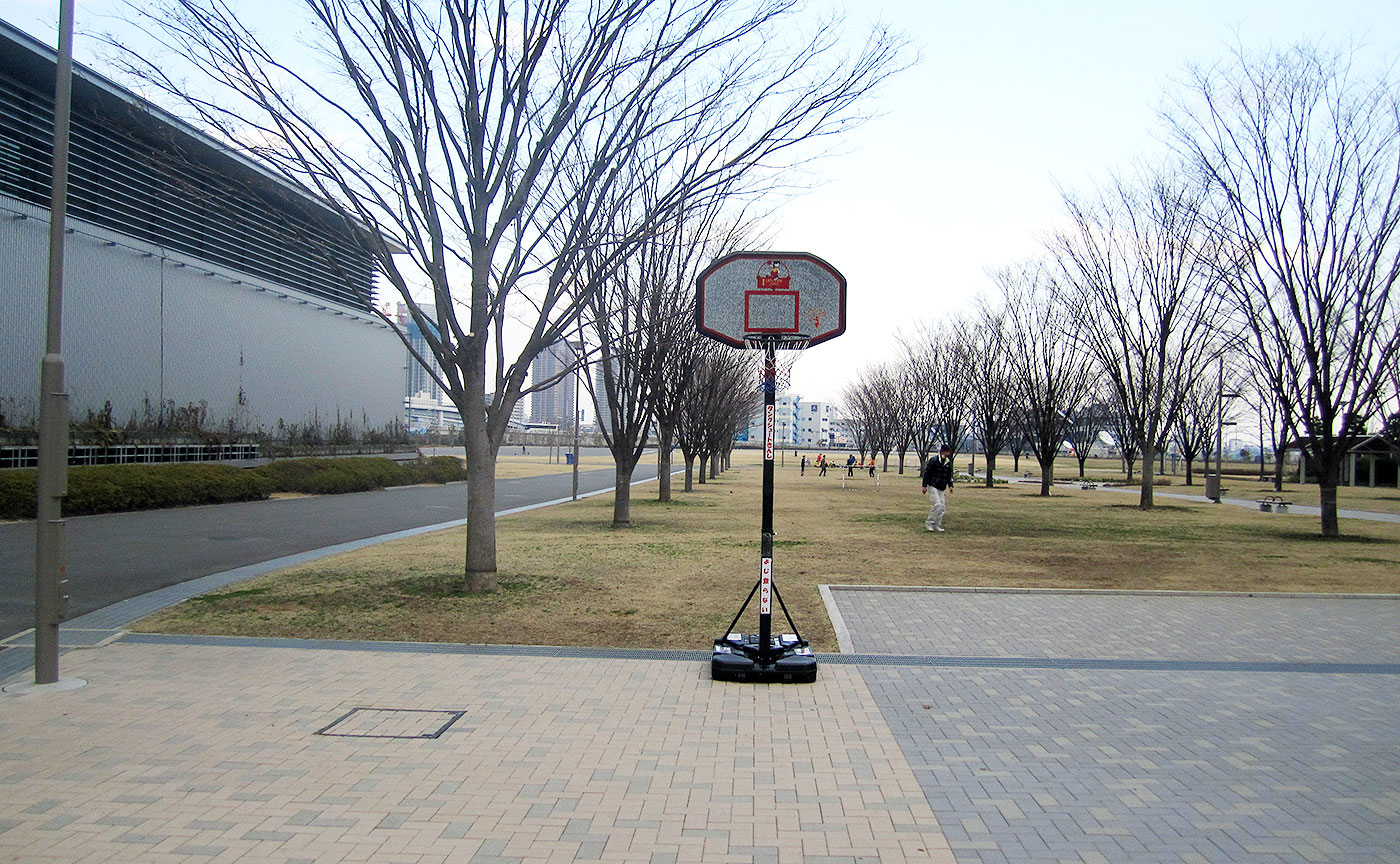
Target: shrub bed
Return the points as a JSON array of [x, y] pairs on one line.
[[334, 476], [119, 488]]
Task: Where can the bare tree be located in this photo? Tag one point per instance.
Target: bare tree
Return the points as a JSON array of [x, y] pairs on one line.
[[1194, 425], [497, 141], [688, 244], [990, 389], [1302, 151], [1086, 424], [922, 419], [1139, 262], [1275, 419], [904, 398], [722, 396], [945, 356], [872, 405], [1052, 373]]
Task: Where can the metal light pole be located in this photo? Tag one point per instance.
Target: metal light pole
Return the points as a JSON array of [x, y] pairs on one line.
[[50, 586]]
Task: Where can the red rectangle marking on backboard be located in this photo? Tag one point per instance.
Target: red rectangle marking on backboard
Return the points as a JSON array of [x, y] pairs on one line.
[[770, 311]]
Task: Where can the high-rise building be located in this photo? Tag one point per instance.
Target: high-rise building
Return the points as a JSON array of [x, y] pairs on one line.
[[602, 415], [553, 404], [426, 407]]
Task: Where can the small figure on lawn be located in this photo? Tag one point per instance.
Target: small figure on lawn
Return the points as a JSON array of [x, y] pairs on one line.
[[851, 465], [938, 482], [804, 467]]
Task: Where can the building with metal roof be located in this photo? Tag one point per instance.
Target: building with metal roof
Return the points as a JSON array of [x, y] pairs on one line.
[[193, 275]]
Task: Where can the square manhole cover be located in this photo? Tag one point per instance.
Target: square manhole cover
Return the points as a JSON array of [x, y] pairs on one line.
[[392, 723]]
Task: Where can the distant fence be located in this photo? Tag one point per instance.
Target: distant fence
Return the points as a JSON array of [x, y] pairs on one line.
[[132, 454]]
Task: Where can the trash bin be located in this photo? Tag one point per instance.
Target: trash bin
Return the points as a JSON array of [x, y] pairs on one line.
[[1213, 487], [568, 458]]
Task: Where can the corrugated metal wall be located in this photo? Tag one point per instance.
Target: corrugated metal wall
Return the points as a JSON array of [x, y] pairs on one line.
[[142, 325]]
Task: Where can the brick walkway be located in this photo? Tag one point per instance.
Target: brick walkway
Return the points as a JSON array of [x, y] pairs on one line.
[[211, 753], [976, 727], [1192, 760]]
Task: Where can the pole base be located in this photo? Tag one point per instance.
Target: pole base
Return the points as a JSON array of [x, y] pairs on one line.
[[737, 658]]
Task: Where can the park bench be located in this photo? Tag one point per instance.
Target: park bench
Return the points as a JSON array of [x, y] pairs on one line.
[[1273, 504], [1088, 485]]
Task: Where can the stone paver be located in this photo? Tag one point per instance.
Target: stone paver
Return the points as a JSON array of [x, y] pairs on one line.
[[1121, 625], [210, 753], [1091, 765]]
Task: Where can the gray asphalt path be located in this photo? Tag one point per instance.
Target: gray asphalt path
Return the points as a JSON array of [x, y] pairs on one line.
[[118, 556]]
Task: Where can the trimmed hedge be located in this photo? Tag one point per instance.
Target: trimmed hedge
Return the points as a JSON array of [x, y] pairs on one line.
[[120, 488], [334, 476]]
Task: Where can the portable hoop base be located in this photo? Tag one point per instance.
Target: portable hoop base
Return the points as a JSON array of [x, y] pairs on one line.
[[737, 658]]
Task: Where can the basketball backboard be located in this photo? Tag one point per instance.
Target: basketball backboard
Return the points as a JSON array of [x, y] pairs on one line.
[[794, 298]]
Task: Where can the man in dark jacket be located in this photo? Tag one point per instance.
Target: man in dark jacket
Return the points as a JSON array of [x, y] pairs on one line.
[[938, 482]]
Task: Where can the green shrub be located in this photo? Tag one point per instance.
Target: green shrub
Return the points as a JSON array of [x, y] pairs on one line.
[[435, 469], [119, 488], [18, 493], [331, 476]]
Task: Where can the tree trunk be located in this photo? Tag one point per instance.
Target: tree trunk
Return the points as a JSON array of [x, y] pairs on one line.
[[1082, 460], [901, 460], [622, 498], [1188, 468], [1328, 495], [1145, 501], [991, 468], [1279, 457], [1015, 463], [714, 464], [1328, 466], [704, 463], [480, 572], [689, 459], [1047, 475], [663, 465]]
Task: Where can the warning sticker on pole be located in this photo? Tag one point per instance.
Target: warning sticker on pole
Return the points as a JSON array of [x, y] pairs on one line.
[[765, 588], [768, 433]]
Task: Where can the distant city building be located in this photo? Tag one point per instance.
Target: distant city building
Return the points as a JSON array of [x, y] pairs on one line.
[[426, 407], [554, 404], [193, 276], [796, 423]]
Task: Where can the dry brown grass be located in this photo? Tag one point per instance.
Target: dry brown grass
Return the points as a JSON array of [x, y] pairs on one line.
[[678, 576]]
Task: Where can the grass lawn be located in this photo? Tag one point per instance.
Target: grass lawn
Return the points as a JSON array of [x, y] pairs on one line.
[[677, 577]]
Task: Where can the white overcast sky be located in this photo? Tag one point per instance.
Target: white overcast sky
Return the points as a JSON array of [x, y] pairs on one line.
[[961, 172]]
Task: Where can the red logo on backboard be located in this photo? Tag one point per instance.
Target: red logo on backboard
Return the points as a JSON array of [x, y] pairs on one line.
[[774, 276]]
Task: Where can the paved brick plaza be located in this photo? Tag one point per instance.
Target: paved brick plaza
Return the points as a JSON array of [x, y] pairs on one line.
[[1051, 727], [1159, 728]]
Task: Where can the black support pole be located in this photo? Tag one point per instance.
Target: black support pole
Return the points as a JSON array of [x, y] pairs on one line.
[[765, 591]]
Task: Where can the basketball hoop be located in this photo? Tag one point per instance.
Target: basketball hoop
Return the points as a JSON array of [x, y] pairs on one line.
[[769, 301], [778, 341]]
